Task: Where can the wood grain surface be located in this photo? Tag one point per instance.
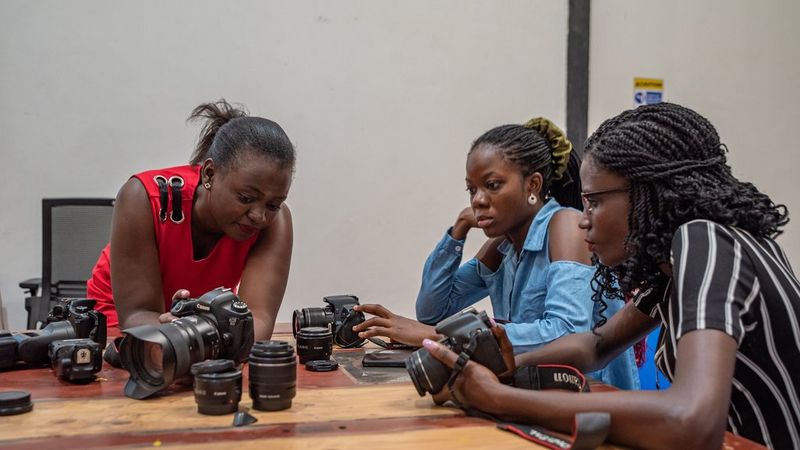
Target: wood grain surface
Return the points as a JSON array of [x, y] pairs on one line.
[[344, 409]]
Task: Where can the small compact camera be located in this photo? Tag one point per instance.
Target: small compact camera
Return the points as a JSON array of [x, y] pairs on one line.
[[71, 318], [338, 316], [75, 360], [466, 328]]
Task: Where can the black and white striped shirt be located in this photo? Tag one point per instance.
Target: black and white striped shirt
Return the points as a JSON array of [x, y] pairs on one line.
[[725, 279]]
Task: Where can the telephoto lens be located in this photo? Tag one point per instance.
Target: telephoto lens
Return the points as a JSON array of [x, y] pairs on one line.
[[218, 325], [272, 369], [217, 386], [314, 344]]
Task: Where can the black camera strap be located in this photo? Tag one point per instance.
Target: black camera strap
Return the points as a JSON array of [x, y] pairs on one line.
[[163, 198], [589, 429], [176, 183], [458, 367]]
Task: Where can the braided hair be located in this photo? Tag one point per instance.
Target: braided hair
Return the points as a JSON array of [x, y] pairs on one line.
[[676, 166], [527, 148]]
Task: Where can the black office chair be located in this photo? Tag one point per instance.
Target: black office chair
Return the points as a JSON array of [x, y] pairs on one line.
[[74, 232]]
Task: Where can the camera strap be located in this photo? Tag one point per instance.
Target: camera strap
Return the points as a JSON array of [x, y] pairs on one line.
[[174, 185], [589, 429], [163, 197], [458, 367]]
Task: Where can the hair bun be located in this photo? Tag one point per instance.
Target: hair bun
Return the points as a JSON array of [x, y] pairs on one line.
[[559, 144]]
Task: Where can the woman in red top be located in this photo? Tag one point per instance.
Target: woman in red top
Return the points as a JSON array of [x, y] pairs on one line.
[[219, 221]]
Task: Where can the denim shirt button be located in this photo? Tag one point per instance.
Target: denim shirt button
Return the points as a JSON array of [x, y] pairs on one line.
[[458, 248]]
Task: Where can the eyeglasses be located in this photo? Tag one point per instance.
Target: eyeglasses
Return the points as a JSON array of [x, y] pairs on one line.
[[589, 203]]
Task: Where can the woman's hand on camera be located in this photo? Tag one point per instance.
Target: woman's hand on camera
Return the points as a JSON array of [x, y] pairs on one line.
[[180, 294], [473, 386], [465, 220], [397, 328]]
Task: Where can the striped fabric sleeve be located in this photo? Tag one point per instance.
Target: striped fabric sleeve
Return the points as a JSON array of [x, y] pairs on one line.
[[714, 280]]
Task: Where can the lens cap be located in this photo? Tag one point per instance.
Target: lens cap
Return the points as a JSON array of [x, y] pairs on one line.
[[322, 366], [213, 366], [15, 402]]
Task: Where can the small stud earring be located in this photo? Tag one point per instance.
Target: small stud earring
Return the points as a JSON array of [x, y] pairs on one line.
[[532, 200], [207, 186]]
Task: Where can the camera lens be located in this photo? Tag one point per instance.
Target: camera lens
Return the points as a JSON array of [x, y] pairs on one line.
[[427, 373], [314, 343], [217, 386], [157, 355], [272, 369], [310, 317]]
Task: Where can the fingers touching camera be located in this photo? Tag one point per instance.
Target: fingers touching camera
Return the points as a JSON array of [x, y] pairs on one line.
[[395, 327]]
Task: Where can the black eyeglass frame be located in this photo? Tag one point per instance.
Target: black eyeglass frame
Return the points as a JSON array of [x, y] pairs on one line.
[[585, 195]]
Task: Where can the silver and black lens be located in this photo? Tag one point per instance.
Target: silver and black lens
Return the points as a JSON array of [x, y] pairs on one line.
[[314, 343], [217, 386], [311, 317], [427, 373], [272, 370]]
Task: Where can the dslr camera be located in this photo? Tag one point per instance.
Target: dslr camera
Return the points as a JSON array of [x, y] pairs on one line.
[[467, 328], [338, 316], [71, 318], [218, 325]]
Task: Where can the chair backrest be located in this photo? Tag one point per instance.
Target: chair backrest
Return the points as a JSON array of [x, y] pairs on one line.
[[74, 231]]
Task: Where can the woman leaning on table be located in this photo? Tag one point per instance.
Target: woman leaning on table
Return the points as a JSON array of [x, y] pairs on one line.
[[694, 246], [221, 219]]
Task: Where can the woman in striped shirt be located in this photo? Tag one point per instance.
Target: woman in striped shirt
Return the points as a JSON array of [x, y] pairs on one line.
[[693, 247]]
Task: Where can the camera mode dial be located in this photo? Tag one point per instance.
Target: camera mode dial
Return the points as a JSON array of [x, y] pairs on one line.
[[239, 306]]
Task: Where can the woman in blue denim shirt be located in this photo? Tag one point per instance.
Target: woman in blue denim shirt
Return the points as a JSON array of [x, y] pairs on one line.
[[535, 267]]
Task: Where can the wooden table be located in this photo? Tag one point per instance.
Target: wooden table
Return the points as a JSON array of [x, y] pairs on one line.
[[333, 410]]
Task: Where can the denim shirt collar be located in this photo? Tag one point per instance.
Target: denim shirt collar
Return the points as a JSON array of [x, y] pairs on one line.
[[536, 232]]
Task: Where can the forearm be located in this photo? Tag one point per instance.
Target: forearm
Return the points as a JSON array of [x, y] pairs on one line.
[[136, 317], [642, 419], [263, 327], [446, 287], [577, 350]]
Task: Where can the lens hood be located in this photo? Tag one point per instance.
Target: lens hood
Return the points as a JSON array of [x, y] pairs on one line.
[[146, 377]]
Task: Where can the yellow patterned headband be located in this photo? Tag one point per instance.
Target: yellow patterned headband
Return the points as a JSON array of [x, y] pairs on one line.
[[558, 142]]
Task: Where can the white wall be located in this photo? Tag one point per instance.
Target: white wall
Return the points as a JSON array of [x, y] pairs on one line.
[[735, 61], [382, 100]]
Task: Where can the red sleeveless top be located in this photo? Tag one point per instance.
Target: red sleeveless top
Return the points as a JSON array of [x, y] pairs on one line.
[[172, 221]]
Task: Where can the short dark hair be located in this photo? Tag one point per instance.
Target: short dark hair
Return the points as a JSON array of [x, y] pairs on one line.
[[228, 131]]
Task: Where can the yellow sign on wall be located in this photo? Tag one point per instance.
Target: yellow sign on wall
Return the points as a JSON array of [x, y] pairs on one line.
[[647, 91]]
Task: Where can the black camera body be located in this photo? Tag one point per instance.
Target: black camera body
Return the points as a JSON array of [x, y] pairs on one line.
[[231, 316], [338, 316], [76, 360], [218, 325], [71, 318], [467, 328]]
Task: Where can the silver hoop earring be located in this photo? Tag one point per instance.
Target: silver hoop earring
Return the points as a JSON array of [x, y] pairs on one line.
[[207, 186], [532, 200]]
